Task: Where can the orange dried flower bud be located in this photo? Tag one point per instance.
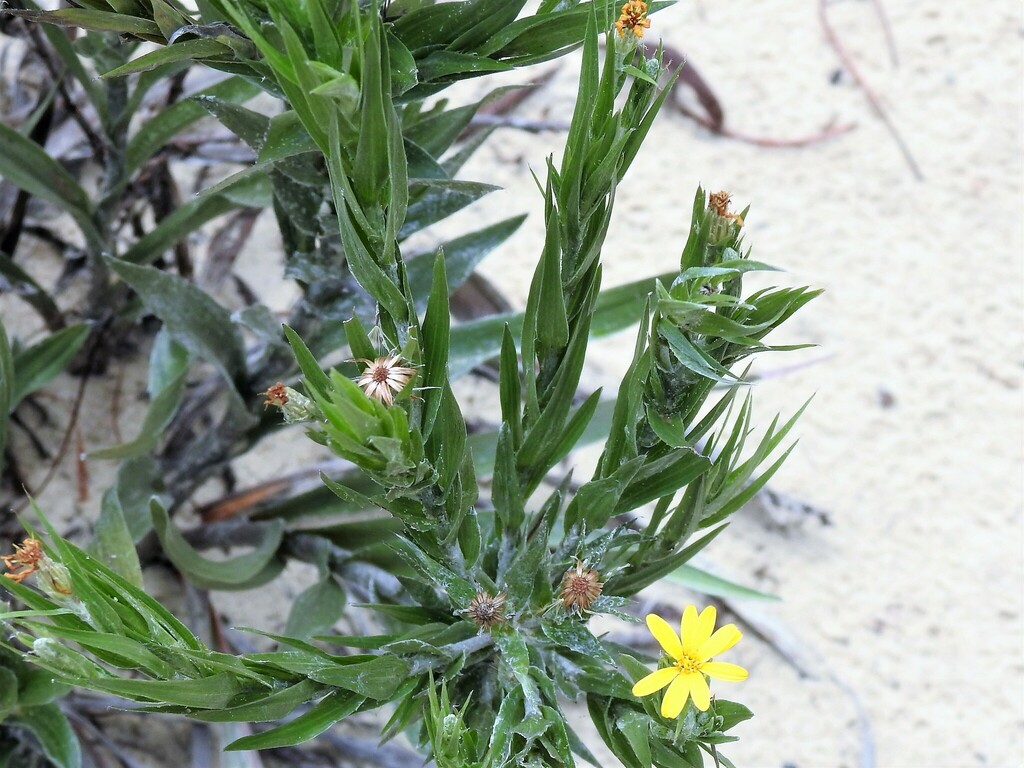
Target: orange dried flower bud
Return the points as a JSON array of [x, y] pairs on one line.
[[25, 560], [719, 203], [633, 19]]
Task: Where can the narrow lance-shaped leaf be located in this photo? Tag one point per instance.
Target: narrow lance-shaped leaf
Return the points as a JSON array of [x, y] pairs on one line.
[[194, 319], [224, 574], [53, 732], [27, 166], [6, 390], [436, 338], [332, 708]]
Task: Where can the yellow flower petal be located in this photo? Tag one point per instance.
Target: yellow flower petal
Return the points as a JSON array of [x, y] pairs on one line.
[[655, 681], [665, 635], [675, 696], [688, 629], [699, 691], [705, 626], [732, 673], [724, 639]]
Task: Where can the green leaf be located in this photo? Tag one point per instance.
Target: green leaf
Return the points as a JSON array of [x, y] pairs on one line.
[[273, 706], [223, 574], [27, 166], [117, 650], [96, 20], [329, 710], [161, 411], [636, 727], [39, 687], [200, 48], [194, 319], [633, 581], [35, 366], [436, 333], [459, 591], [7, 385], [378, 678], [18, 282], [316, 609], [167, 359], [177, 226], [371, 171], [113, 543], [709, 584], [552, 326], [286, 137], [461, 256], [8, 692], [731, 712], [138, 480], [516, 656], [662, 477], [160, 129], [445, 65], [52, 730], [576, 637], [317, 380], [436, 199], [214, 692], [251, 127]]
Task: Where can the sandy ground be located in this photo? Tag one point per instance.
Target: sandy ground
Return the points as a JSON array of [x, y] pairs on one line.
[[911, 600], [899, 641]]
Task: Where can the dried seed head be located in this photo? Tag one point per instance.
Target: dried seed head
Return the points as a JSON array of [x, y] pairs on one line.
[[25, 560], [633, 19], [486, 611], [384, 377], [581, 586], [277, 395], [719, 203], [295, 406]]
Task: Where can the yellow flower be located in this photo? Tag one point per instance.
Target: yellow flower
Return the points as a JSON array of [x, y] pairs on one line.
[[690, 658]]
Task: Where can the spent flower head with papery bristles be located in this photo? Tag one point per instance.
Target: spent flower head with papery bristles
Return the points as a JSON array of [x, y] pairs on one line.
[[384, 377], [580, 587], [485, 610]]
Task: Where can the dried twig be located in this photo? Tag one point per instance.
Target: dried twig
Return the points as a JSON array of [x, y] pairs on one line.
[[890, 38], [493, 112], [520, 123], [876, 105], [81, 469], [76, 408], [828, 132], [85, 725], [713, 116]]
